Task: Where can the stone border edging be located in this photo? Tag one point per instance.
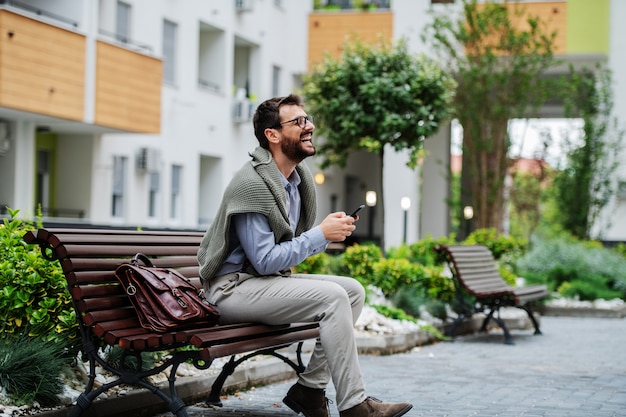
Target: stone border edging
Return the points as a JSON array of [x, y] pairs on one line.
[[193, 389]]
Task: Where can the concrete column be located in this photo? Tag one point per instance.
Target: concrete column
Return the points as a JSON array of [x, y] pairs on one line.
[[435, 215]]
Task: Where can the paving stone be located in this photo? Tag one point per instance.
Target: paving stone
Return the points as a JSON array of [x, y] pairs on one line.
[[577, 368]]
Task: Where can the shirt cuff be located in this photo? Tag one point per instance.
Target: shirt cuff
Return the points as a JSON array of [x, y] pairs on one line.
[[317, 239]]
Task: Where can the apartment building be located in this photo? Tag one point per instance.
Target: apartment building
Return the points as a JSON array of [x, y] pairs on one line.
[[136, 113]]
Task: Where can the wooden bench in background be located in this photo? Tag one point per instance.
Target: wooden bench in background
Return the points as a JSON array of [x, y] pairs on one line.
[[105, 316], [480, 288]]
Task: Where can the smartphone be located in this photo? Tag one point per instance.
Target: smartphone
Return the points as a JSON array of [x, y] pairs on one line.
[[354, 213]]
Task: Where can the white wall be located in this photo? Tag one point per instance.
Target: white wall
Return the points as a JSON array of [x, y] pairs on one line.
[[197, 122], [615, 215]]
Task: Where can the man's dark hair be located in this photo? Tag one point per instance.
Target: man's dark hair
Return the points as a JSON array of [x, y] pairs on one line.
[[267, 116]]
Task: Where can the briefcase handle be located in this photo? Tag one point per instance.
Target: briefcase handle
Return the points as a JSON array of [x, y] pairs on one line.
[[143, 258]]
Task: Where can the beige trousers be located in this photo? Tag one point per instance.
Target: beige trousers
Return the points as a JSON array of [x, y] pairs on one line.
[[335, 301]]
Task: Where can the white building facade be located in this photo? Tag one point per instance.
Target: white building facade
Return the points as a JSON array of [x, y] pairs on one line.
[[143, 122]]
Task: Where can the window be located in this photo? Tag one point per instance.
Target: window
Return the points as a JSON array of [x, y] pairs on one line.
[[119, 180], [211, 49], [275, 81], [170, 33], [122, 23], [153, 194], [175, 202], [42, 181]]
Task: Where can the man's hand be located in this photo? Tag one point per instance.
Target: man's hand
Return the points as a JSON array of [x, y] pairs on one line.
[[338, 226]]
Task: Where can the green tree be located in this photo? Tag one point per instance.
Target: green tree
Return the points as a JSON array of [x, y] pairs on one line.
[[587, 183], [375, 96], [498, 65]]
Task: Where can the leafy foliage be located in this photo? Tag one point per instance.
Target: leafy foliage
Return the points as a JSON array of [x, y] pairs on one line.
[[525, 198], [422, 251], [34, 299], [498, 243], [574, 268], [498, 64], [316, 264], [413, 278], [359, 261], [394, 313], [585, 186], [375, 95], [30, 369]]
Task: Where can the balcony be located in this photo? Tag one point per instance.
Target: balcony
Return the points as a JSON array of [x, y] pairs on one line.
[[43, 67]]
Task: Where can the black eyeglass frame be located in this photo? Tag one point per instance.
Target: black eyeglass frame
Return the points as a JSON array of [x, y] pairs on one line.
[[300, 121]]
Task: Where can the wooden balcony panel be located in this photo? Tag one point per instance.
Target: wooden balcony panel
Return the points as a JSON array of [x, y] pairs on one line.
[[43, 67], [128, 89], [552, 15], [329, 31]]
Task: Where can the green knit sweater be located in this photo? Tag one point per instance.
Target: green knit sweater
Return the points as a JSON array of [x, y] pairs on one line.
[[256, 188]]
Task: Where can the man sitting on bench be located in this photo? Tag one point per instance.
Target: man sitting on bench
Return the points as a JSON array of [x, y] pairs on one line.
[[263, 227]]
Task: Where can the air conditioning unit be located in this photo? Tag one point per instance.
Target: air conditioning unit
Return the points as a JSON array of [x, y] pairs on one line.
[[242, 110], [148, 160], [244, 5]]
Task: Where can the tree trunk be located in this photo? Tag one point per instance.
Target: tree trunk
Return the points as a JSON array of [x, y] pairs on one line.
[[487, 165]]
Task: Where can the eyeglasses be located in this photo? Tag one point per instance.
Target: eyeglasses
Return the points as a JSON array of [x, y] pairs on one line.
[[300, 121]]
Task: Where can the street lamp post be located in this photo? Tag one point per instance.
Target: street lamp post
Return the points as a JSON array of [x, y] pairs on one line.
[[468, 214], [405, 204], [370, 200]]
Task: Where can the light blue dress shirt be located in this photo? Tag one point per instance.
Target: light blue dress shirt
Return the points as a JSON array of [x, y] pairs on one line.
[[256, 239]]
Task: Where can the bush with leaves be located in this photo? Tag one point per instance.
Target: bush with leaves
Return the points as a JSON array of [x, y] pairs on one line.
[[620, 248], [359, 261], [30, 370], [498, 243], [34, 299], [421, 252], [575, 268], [316, 264]]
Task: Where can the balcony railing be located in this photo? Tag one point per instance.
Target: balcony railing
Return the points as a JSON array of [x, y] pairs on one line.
[[126, 41], [351, 4], [38, 11]]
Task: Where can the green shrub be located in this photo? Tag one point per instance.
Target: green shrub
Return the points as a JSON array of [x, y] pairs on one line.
[[359, 261], [562, 260], [590, 289], [316, 264], [30, 370], [497, 243], [113, 356], [410, 299], [391, 274], [507, 275], [394, 313], [620, 248], [34, 298], [421, 252]]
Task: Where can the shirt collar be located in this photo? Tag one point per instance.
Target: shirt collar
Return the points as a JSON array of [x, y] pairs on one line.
[[294, 179]]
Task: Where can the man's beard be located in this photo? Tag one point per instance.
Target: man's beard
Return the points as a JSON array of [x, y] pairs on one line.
[[295, 151]]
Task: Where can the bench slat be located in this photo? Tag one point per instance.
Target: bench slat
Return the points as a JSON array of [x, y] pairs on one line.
[[218, 351], [475, 270], [205, 339], [89, 258]]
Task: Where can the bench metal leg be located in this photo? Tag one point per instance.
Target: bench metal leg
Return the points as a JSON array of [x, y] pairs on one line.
[[494, 314], [134, 375], [529, 311], [457, 321], [230, 366]]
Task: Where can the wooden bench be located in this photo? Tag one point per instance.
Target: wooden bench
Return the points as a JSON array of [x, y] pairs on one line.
[[89, 257], [480, 288]]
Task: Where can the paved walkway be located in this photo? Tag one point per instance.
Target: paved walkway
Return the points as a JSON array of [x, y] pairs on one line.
[[577, 368]]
